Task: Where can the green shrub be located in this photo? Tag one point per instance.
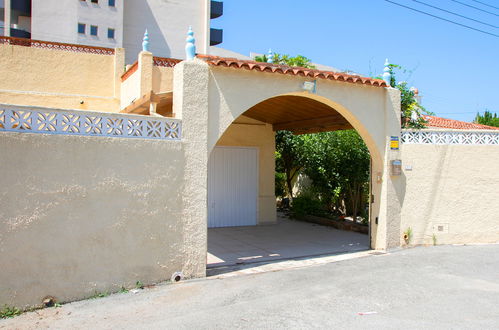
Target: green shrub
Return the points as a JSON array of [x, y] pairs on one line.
[[306, 205]]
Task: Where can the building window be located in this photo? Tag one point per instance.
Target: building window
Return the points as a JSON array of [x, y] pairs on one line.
[[110, 33], [95, 1], [81, 28], [112, 3], [93, 30]]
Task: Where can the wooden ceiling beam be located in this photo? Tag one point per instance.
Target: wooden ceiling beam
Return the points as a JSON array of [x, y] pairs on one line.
[[311, 123], [321, 129], [141, 105]]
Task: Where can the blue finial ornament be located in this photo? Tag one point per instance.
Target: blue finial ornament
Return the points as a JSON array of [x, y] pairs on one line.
[[145, 42], [387, 76], [270, 56], [190, 46]]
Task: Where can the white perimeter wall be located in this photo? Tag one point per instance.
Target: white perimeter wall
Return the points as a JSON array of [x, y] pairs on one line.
[[83, 214], [452, 191]]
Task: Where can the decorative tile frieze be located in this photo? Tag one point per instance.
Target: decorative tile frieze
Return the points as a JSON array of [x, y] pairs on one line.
[[26, 120], [450, 137]]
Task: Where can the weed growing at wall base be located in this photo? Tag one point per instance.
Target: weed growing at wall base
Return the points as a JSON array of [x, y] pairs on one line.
[[7, 312], [99, 295], [408, 235]]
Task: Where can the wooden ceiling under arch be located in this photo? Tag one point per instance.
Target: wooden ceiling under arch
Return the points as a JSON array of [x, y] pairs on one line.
[[298, 114]]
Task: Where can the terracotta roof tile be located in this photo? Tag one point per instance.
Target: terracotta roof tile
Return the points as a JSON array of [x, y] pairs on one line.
[[454, 124], [284, 69]]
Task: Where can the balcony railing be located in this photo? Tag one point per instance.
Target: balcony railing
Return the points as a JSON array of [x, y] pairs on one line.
[[166, 62], [56, 46]]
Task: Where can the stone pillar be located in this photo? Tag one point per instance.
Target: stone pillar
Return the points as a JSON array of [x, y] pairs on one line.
[[392, 186], [190, 103], [152, 109], [145, 71]]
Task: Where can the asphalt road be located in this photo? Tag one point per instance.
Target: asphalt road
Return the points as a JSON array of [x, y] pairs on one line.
[[444, 287]]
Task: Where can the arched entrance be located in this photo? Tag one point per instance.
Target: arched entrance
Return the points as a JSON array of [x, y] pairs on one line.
[[211, 97], [241, 185]]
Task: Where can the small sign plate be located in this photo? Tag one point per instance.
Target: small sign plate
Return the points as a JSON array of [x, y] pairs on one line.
[[394, 143]]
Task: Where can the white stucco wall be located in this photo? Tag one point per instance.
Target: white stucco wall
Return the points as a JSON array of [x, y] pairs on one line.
[[452, 192], [130, 89], [85, 214]]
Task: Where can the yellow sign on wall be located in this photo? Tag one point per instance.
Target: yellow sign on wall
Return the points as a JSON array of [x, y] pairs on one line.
[[394, 143]]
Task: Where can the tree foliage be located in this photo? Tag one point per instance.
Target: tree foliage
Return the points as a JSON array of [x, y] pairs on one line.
[[285, 59], [411, 111], [487, 118], [289, 158], [336, 162]]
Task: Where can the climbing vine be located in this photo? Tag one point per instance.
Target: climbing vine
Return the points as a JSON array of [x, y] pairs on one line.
[[411, 111]]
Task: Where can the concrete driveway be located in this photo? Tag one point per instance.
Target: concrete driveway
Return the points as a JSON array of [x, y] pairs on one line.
[[443, 287], [285, 240]]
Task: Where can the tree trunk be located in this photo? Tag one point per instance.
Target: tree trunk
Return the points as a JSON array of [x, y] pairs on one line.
[[289, 184]]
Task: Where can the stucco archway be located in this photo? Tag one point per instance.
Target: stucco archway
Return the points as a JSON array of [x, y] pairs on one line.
[[299, 113]]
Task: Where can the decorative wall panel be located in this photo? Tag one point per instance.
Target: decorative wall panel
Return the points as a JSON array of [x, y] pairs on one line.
[[66, 122]]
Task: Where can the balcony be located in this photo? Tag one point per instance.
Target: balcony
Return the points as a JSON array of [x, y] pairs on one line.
[[217, 9], [216, 36]]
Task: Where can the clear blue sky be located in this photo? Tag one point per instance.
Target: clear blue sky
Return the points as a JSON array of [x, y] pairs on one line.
[[456, 69]]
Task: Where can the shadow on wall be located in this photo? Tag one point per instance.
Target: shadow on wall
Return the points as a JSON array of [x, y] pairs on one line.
[[438, 180], [400, 184], [133, 33], [423, 217], [215, 103]]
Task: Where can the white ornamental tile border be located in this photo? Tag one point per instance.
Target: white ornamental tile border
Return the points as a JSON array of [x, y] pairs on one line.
[[450, 137], [65, 122]]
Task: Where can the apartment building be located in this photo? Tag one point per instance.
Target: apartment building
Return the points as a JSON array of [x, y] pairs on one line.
[[114, 23]]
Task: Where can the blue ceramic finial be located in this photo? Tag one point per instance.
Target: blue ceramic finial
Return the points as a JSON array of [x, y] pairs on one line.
[[270, 56], [145, 42], [190, 46], [387, 76]]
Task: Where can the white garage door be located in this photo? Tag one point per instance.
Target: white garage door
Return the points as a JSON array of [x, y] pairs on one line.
[[232, 187]]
